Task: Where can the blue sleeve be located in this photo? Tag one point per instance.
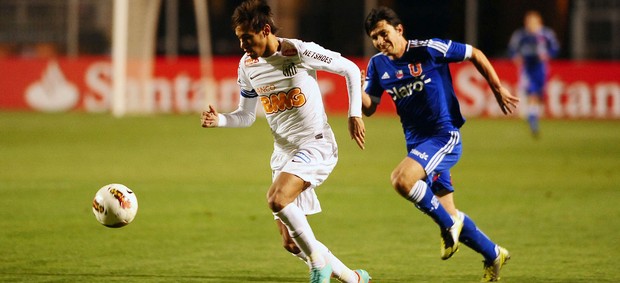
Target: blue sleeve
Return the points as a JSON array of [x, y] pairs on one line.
[[553, 46], [373, 87], [447, 50], [513, 45]]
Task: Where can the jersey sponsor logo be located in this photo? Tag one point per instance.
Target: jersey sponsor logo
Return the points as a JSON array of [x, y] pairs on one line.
[[250, 61], [318, 56], [265, 89], [385, 76], [422, 155], [406, 90], [282, 101]]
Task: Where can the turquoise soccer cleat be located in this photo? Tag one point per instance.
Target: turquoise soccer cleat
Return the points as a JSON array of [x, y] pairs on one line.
[[321, 275], [362, 276]]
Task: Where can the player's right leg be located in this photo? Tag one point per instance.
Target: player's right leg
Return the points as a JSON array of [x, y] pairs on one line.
[[408, 180], [534, 91]]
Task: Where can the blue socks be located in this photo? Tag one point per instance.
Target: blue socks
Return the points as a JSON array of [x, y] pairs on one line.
[[425, 200], [532, 119], [472, 237]]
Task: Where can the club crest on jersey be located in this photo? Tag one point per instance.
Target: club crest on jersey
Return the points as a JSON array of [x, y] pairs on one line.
[[399, 74], [282, 101], [415, 70], [289, 69]]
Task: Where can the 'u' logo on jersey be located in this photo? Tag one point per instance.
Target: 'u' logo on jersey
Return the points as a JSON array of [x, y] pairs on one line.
[[282, 101], [416, 70]]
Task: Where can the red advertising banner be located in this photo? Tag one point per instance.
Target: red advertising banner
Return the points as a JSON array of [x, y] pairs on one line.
[[574, 90]]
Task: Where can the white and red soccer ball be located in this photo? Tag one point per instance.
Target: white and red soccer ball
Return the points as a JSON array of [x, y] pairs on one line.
[[115, 205]]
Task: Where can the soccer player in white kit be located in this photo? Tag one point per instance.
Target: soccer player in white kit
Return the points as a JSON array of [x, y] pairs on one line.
[[280, 73]]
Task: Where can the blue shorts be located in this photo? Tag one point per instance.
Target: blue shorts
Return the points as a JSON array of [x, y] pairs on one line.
[[534, 80], [437, 154]]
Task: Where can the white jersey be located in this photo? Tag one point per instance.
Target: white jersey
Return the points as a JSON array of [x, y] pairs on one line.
[[285, 84]]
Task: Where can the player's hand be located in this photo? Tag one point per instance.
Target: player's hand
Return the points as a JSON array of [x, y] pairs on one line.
[[357, 131], [209, 118], [507, 102], [363, 76]]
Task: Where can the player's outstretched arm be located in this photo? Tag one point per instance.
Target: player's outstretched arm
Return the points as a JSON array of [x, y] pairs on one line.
[[209, 118], [507, 102], [244, 116]]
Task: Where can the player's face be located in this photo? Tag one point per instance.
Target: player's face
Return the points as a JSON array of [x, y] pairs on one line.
[[254, 44], [388, 39], [533, 23]]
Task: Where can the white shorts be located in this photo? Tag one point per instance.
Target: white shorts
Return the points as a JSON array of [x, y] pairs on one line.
[[312, 162]]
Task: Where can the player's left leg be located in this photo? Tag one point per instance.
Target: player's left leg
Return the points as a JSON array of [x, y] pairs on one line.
[[533, 113], [494, 256], [281, 195], [471, 235]]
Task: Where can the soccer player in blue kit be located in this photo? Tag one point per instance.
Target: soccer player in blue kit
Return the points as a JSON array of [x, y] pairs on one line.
[[531, 47], [416, 75]]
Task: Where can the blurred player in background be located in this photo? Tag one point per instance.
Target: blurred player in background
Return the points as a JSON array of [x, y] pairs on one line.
[[531, 47], [280, 74], [416, 75]]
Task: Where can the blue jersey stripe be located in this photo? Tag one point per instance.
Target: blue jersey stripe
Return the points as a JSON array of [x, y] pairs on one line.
[[248, 93]]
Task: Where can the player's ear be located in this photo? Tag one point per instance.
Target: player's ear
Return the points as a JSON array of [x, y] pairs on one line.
[[399, 28], [266, 30]]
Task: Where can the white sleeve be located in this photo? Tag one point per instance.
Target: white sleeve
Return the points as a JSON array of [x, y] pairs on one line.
[[244, 116], [319, 58]]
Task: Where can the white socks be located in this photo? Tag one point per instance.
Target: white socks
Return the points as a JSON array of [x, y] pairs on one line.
[[339, 269], [300, 231]]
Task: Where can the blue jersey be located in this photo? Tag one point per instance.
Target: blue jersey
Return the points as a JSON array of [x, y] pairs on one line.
[[420, 84], [533, 46]]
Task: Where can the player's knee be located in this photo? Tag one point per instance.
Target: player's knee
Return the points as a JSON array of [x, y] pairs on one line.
[[401, 184], [275, 202]]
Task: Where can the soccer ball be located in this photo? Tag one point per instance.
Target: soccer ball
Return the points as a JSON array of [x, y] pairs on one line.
[[115, 205]]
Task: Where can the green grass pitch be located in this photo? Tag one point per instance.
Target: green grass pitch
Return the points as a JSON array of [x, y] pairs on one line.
[[203, 217]]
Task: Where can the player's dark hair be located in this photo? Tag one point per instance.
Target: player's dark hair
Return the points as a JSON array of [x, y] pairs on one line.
[[379, 14], [254, 14]]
